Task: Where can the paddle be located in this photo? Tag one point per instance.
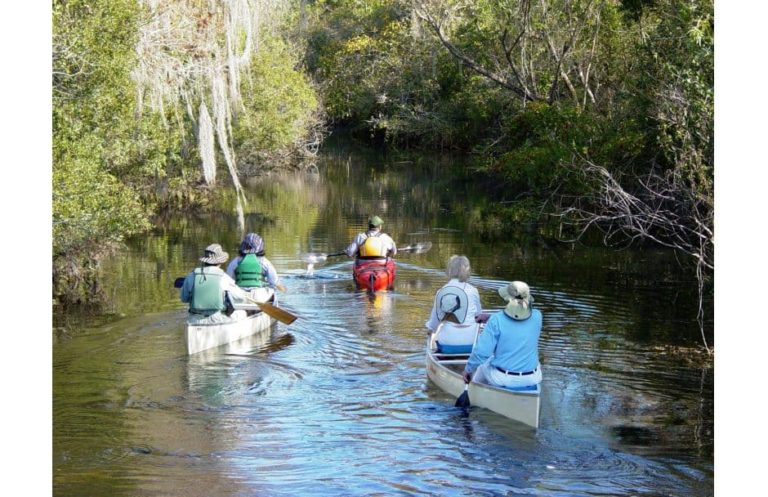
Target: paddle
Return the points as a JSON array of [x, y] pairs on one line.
[[276, 312], [416, 248], [463, 400], [272, 310], [315, 257]]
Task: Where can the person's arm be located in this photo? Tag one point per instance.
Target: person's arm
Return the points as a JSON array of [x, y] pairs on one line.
[[351, 249], [432, 322], [474, 298], [228, 285], [232, 266], [272, 277], [186, 289], [393, 246], [484, 348]]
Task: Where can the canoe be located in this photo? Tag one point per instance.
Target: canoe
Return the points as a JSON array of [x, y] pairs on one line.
[[445, 371], [200, 337], [374, 275]]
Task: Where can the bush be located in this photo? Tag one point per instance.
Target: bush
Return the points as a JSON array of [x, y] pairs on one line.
[[280, 107]]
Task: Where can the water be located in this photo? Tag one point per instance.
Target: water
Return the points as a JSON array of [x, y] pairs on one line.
[[338, 402]]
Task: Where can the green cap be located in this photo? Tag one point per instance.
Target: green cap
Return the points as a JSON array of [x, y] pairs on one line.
[[375, 221]]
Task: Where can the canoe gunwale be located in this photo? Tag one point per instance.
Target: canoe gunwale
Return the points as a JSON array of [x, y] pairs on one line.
[[204, 325], [204, 336]]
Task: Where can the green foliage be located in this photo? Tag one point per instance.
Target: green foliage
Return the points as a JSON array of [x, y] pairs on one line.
[[90, 206], [102, 154], [678, 88], [385, 77], [92, 212], [540, 144], [280, 105]]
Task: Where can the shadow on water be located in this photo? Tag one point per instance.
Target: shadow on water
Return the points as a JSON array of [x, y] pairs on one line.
[[338, 402]]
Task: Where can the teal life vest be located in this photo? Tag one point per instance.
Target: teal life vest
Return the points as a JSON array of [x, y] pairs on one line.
[[207, 297], [249, 273]]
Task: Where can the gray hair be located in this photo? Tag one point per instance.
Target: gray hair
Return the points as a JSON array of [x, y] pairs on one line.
[[458, 267]]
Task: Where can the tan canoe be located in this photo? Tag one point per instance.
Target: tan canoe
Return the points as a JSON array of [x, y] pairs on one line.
[[445, 371]]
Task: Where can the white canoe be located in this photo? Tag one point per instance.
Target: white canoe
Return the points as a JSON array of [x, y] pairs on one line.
[[206, 336], [445, 371]]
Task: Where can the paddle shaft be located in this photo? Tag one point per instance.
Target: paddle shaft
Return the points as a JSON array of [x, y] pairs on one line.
[[415, 248]]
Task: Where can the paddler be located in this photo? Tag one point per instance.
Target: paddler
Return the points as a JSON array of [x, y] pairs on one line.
[[253, 272], [207, 289], [372, 244]]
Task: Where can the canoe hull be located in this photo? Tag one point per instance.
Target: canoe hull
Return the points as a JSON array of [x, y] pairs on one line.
[[523, 407], [199, 337], [374, 275]]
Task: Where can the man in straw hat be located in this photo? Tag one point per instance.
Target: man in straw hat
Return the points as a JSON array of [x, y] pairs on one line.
[[206, 289], [507, 351]]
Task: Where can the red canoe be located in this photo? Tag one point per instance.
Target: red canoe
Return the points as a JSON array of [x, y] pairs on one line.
[[374, 274]]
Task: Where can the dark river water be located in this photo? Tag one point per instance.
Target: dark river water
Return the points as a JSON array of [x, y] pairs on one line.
[[338, 402]]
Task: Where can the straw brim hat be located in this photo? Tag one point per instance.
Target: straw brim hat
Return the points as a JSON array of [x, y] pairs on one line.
[[451, 301], [214, 254], [519, 300]]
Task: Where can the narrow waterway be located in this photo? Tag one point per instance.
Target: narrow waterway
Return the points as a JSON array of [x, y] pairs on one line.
[[338, 402]]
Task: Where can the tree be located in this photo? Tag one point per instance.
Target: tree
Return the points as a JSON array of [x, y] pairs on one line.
[[544, 50], [671, 203], [94, 136]]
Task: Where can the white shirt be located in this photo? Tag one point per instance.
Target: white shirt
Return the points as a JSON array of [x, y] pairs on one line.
[[474, 307]]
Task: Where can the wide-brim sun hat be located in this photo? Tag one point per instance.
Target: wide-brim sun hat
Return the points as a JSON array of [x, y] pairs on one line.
[[451, 300], [214, 254], [375, 221], [519, 300]]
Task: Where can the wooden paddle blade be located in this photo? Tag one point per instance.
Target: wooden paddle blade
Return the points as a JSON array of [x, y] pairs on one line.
[[463, 400], [280, 314]]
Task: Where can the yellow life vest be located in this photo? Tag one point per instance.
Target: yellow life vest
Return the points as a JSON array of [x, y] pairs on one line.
[[373, 246]]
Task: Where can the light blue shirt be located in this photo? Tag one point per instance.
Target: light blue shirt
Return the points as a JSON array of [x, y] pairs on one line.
[[513, 344]]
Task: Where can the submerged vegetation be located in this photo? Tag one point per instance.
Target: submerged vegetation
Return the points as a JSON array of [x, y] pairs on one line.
[[592, 114]]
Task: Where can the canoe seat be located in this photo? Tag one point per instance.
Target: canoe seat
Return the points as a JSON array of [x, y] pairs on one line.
[[451, 338], [526, 388], [440, 356], [444, 348]]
